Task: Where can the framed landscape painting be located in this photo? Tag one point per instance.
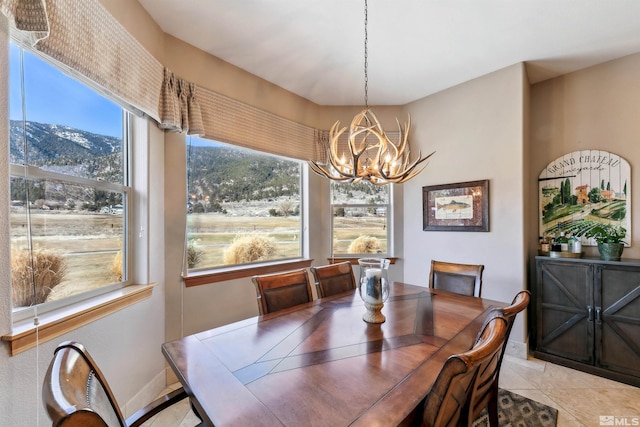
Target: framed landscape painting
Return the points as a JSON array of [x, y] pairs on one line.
[[462, 206], [583, 189]]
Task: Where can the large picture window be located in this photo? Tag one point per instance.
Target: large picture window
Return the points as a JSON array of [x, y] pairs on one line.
[[243, 206], [360, 218], [69, 185]]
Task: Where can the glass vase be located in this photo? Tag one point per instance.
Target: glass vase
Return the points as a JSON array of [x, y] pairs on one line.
[[373, 287]]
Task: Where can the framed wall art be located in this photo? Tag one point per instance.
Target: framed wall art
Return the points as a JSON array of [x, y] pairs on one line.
[[463, 206], [583, 189]]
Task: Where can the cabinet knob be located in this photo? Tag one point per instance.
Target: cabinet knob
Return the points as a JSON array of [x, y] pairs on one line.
[[589, 313]]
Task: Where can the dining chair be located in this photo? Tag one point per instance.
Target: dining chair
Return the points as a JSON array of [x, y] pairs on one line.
[[447, 404], [76, 394], [282, 290], [463, 279], [333, 279], [485, 390]]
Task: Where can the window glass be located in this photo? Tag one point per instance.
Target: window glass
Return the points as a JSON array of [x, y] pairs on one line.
[[243, 206], [68, 185], [360, 220]]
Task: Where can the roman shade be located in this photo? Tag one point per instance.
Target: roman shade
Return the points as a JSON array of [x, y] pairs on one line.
[[179, 107], [91, 44], [28, 17], [228, 120]]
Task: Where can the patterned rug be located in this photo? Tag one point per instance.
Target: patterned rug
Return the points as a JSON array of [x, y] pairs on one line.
[[518, 411]]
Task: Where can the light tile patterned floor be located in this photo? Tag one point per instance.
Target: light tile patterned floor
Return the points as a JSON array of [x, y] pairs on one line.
[[581, 399]]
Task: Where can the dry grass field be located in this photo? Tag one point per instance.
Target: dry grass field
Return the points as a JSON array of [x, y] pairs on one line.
[[347, 229], [212, 233], [90, 241]]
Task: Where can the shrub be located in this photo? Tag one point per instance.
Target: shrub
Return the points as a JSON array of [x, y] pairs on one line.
[[43, 270], [364, 245], [194, 255], [250, 248], [116, 266]]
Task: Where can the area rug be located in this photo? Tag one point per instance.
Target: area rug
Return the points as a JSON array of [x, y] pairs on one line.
[[518, 411]]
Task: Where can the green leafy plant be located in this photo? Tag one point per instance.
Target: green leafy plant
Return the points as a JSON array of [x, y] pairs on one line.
[[606, 233]]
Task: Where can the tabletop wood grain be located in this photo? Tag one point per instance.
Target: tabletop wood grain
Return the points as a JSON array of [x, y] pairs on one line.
[[320, 364]]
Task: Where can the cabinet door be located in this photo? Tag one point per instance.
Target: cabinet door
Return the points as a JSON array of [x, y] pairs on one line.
[[618, 318], [564, 306]]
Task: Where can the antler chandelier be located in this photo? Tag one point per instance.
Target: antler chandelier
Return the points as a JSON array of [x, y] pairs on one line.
[[369, 154]]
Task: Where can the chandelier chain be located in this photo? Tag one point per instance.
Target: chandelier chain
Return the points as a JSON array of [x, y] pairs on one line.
[[368, 154], [366, 57]]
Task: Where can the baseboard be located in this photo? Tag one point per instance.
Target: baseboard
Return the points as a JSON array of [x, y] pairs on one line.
[[147, 395], [517, 349], [171, 378]]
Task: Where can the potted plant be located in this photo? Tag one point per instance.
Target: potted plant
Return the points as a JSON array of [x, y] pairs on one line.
[[609, 239]]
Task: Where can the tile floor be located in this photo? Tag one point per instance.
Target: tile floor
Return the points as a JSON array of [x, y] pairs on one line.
[[579, 397]]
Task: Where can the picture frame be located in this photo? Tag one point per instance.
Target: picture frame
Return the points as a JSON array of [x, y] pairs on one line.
[[461, 206]]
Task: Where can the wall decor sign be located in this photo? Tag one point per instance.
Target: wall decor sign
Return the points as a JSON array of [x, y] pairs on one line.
[[583, 188], [463, 206]]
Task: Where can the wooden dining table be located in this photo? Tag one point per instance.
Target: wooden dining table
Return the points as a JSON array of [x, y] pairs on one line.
[[320, 364]]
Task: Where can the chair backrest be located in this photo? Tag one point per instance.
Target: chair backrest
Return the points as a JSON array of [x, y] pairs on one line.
[[333, 279], [75, 392], [447, 402], [282, 290], [463, 279], [486, 384]]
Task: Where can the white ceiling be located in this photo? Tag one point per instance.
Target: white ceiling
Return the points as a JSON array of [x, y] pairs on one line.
[[315, 48]]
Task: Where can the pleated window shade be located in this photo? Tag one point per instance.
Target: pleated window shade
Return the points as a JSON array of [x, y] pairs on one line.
[[29, 17], [228, 120]]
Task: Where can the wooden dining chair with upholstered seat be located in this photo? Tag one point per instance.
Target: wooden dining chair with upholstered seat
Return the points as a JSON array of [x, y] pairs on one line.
[[447, 404], [333, 279], [76, 394], [485, 390], [463, 279], [282, 290]]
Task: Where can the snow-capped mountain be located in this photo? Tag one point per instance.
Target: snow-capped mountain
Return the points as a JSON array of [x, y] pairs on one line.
[[50, 141]]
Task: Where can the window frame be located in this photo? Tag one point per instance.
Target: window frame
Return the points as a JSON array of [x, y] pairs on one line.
[[59, 318], [389, 231], [81, 300], [213, 274]]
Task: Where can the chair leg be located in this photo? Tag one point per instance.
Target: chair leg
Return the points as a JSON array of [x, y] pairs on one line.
[[492, 408]]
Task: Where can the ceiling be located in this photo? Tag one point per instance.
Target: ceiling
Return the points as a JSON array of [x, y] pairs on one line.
[[315, 48]]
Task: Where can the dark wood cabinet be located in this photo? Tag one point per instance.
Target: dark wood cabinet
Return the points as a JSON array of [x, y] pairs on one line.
[[587, 315]]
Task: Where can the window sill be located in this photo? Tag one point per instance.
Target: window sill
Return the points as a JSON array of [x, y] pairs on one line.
[[241, 272], [354, 261], [56, 323]]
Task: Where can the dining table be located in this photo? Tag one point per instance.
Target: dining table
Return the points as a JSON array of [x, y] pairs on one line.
[[320, 364]]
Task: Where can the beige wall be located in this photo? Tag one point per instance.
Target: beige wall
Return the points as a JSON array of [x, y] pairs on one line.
[[595, 108], [476, 129]]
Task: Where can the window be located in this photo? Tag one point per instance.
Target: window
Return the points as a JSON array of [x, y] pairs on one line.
[[243, 207], [360, 218], [69, 191]]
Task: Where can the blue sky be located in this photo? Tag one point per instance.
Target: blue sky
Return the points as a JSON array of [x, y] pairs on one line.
[[53, 97]]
